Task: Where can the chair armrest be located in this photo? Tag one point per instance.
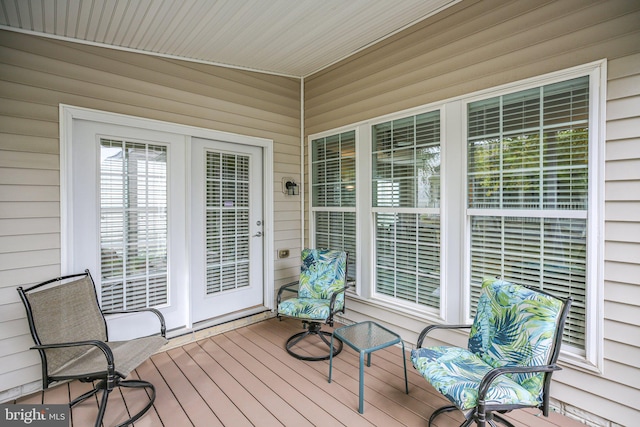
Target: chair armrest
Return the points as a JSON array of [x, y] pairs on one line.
[[490, 376], [163, 326], [334, 295], [430, 328], [108, 354], [289, 287]]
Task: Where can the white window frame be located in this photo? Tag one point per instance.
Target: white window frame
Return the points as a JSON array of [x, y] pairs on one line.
[[455, 280], [592, 358], [356, 285], [385, 300]]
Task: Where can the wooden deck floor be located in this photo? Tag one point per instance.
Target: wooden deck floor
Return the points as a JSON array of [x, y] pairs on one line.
[[246, 378]]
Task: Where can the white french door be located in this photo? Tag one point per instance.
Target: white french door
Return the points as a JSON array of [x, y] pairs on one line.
[[227, 244], [166, 216], [126, 216]]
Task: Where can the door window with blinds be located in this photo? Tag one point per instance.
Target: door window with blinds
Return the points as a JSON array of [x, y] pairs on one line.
[[333, 190], [227, 222], [406, 208], [133, 224], [528, 192]]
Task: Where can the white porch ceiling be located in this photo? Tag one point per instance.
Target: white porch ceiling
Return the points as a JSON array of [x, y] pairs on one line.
[[286, 37]]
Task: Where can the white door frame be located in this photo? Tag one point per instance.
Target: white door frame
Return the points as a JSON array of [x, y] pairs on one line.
[[70, 113]]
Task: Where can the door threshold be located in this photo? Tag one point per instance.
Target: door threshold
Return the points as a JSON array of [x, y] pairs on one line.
[[217, 325]]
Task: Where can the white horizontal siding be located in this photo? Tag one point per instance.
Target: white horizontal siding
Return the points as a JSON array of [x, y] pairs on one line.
[[36, 75], [450, 57], [482, 45], [625, 354]]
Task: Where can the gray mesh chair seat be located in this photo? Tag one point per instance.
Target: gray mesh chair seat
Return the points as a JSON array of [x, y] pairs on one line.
[[127, 356], [70, 333]]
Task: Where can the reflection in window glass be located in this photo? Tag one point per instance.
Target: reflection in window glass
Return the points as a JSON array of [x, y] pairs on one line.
[[406, 202], [528, 191], [333, 194], [133, 224]]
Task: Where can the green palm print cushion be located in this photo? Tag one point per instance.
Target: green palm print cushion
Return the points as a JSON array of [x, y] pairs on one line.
[[322, 274], [514, 326]]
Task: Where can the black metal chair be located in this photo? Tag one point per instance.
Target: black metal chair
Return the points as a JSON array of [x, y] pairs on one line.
[[513, 349], [320, 295], [70, 333]]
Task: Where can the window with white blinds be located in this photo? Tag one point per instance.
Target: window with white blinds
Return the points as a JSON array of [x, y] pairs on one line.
[[406, 208], [527, 193], [133, 224], [227, 222], [333, 169]]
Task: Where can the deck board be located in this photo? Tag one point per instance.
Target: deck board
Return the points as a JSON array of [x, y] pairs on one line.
[[302, 377], [167, 406], [216, 399], [245, 377], [303, 395]]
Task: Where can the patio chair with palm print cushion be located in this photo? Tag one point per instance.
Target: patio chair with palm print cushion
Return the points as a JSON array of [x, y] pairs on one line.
[[70, 333], [513, 347], [320, 294]]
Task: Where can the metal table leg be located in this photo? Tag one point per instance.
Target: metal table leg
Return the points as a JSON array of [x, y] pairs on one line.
[[361, 393]]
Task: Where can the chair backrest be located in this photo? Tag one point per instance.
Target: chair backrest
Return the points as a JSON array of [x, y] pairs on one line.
[[65, 311], [518, 326], [322, 273]]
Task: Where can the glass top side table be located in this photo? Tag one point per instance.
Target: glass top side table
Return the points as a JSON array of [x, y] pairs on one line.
[[365, 338]]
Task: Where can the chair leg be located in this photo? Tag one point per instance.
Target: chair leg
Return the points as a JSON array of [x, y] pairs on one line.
[[441, 411], [152, 398], [502, 420], [492, 419], [101, 386], [313, 330], [323, 336], [84, 396], [102, 407]]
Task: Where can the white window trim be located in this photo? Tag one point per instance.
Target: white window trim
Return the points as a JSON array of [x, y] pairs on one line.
[[312, 224], [454, 297], [389, 302], [593, 358]]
